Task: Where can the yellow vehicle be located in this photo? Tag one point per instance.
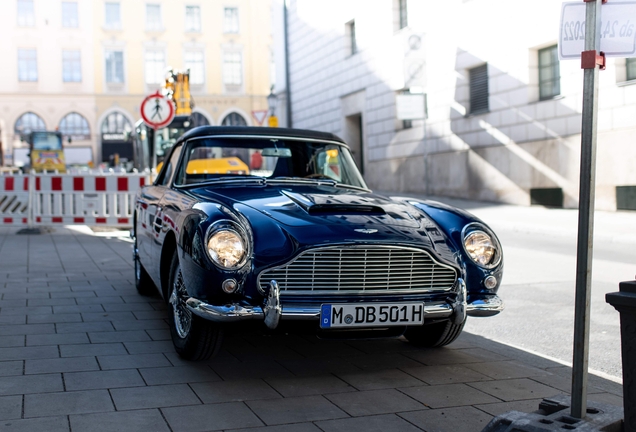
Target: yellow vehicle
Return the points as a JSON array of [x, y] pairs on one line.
[[227, 165], [46, 151]]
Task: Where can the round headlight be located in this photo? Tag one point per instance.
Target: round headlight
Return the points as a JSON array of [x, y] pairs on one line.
[[482, 248], [226, 248]]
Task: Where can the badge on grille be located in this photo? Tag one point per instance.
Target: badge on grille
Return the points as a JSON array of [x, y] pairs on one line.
[[366, 231]]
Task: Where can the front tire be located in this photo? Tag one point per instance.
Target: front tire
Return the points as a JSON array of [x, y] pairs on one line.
[[434, 335], [194, 338]]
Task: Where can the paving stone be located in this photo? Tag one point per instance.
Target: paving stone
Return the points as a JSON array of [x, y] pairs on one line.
[[146, 315], [296, 427], [98, 300], [459, 419], [31, 310], [516, 389], [507, 370], [159, 334], [327, 349], [374, 380], [132, 361], [12, 303], [54, 318], [447, 356], [75, 295], [136, 298], [72, 364], [52, 302], [233, 391], [48, 289], [308, 367], [126, 421], [296, 410], [27, 329], [23, 353], [149, 347], [10, 408], [495, 409], [446, 374], [9, 368], [108, 316], [440, 396], [57, 339], [48, 424], [84, 327], [103, 379], [12, 341], [210, 417], [140, 325], [78, 309], [119, 336], [305, 386], [154, 397], [92, 350], [247, 370], [179, 375], [19, 296], [378, 423], [123, 307], [17, 385], [79, 402], [374, 402], [13, 319], [383, 361]]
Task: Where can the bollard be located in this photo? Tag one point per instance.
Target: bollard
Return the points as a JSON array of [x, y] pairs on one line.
[[624, 302]]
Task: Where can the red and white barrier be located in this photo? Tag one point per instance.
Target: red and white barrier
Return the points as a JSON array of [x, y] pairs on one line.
[[14, 199], [65, 199]]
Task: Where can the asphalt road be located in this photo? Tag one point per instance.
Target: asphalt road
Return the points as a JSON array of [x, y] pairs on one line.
[[539, 283]]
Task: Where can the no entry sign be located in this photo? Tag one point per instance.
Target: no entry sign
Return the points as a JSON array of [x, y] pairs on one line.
[[157, 110]]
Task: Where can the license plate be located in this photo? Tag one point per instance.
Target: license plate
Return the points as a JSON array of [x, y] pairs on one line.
[[371, 314]]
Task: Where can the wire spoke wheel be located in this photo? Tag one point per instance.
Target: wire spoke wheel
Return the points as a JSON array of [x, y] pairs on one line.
[[181, 314]]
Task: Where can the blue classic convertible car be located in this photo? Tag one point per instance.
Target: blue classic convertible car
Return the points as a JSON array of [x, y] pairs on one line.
[[278, 226]]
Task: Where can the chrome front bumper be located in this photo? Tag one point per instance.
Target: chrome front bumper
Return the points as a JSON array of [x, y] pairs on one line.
[[272, 311]]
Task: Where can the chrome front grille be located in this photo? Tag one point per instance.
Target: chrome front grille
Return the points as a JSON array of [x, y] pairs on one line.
[[361, 269]]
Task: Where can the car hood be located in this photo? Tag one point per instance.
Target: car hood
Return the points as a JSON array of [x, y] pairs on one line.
[[322, 214]]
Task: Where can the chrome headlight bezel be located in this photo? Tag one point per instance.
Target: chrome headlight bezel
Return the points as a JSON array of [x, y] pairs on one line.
[[476, 227], [233, 228]]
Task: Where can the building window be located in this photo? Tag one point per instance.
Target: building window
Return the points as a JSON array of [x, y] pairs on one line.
[[29, 122], [234, 119], [75, 126], [351, 37], [155, 65], [71, 66], [153, 17], [630, 69], [115, 67], [230, 20], [198, 119], [113, 17], [27, 65], [232, 69], [479, 90], [26, 15], [402, 14], [116, 123], [549, 74], [69, 15], [194, 62], [193, 19]]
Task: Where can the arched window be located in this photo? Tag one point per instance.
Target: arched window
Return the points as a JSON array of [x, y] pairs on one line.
[[116, 123], [234, 119], [198, 119], [29, 122], [75, 126]]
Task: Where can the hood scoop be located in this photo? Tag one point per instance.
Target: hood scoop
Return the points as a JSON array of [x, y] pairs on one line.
[[331, 205]]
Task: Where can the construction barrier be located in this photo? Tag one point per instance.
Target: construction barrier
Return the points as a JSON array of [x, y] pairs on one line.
[[65, 199]]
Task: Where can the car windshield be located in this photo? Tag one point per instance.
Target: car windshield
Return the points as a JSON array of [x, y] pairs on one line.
[[283, 159]]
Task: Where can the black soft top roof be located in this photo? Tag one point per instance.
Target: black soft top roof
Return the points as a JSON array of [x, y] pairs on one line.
[[202, 131]]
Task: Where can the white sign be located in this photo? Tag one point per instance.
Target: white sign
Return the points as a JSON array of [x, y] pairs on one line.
[[618, 29], [259, 116], [157, 111], [410, 106]]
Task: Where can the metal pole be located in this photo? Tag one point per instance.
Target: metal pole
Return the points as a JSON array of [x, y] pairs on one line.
[[288, 103], [586, 216]]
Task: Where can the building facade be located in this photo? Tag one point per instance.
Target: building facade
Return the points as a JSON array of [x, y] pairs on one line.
[[84, 66], [450, 98]]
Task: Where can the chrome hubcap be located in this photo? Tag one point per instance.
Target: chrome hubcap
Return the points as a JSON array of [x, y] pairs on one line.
[[182, 315]]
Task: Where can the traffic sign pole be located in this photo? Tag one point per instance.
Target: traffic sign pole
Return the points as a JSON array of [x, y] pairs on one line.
[[590, 61]]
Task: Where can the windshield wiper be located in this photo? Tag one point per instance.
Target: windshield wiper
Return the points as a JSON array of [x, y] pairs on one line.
[[319, 181], [227, 180]]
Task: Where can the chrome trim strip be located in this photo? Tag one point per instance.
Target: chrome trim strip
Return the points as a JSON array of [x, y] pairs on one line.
[[235, 312], [485, 307]]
